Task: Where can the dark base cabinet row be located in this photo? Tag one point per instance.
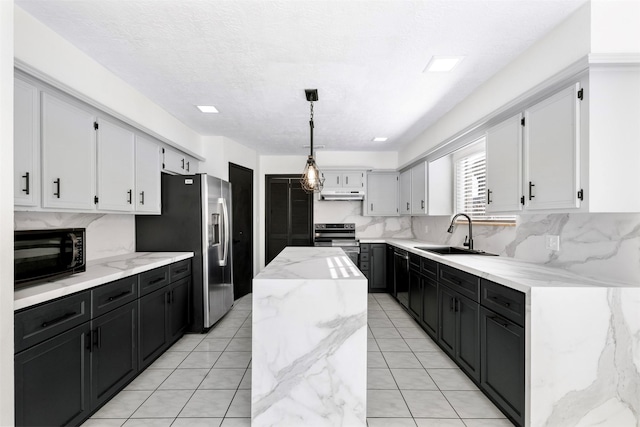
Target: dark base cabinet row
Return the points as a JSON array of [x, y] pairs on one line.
[[73, 354], [478, 323]]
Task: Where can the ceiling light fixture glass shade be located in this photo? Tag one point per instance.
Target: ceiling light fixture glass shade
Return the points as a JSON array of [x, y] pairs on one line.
[[311, 179]]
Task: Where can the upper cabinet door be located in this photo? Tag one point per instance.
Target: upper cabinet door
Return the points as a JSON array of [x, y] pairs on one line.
[[440, 186], [26, 144], [405, 192], [419, 189], [353, 180], [382, 194], [332, 179], [68, 155], [175, 162], [115, 167], [551, 152], [147, 176], [504, 166]]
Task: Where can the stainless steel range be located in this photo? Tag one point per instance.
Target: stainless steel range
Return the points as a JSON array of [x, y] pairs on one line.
[[338, 235]]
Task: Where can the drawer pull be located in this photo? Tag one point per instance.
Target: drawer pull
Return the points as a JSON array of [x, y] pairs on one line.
[[501, 301], [182, 270], [120, 295], [158, 280], [58, 319]]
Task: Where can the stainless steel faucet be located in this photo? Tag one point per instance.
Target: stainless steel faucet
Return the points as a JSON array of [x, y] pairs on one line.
[[450, 230]]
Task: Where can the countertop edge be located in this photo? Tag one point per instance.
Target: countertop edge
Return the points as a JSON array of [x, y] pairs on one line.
[[99, 272]]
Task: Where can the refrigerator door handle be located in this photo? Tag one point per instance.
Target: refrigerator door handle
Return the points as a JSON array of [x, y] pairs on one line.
[[224, 230]]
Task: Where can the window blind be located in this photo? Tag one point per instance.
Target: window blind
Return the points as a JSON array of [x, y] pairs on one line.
[[471, 185]]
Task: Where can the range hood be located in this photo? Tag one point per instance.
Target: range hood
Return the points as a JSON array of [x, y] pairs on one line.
[[331, 194]]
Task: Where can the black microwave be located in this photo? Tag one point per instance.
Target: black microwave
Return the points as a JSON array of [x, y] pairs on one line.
[[41, 255]]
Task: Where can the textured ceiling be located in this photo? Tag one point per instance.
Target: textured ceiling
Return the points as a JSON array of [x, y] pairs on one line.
[[253, 60]]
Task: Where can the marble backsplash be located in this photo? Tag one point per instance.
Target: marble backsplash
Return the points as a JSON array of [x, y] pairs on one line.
[[367, 227], [602, 246], [107, 234]]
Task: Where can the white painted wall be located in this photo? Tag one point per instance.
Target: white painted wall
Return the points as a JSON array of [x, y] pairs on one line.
[[40, 48], [6, 213], [351, 159], [563, 46], [615, 26]]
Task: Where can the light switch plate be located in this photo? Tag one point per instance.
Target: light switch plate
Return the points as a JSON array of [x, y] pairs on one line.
[[552, 242]]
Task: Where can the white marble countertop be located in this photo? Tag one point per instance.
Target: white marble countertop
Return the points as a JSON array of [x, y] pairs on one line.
[[99, 272], [516, 274], [310, 263]]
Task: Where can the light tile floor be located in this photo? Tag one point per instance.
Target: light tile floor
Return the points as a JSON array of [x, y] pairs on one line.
[[205, 380]]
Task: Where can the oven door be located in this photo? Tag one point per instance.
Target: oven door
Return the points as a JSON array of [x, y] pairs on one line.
[[45, 254]]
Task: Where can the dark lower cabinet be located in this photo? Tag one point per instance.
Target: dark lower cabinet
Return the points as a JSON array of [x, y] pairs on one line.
[[373, 265], [390, 273], [502, 355], [114, 361], [179, 308], [429, 319], [460, 330], [415, 293], [52, 380]]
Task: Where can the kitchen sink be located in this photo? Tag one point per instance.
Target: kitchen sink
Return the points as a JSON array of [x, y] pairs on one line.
[[453, 250]]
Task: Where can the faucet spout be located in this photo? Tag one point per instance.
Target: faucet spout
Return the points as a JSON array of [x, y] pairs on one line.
[[451, 227]]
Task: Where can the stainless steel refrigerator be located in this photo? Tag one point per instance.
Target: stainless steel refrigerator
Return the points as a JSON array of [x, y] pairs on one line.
[[196, 217]]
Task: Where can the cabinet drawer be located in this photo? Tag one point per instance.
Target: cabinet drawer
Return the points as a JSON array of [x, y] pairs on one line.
[[364, 266], [460, 281], [365, 247], [429, 268], [34, 325], [179, 270], [364, 257], [503, 300], [414, 261], [149, 281], [112, 295]]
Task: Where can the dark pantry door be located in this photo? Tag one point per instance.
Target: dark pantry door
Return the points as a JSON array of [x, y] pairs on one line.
[[289, 219], [241, 180]]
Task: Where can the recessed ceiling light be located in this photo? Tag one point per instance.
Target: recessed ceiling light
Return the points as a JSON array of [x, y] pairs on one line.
[[207, 108], [380, 139], [443, 63]]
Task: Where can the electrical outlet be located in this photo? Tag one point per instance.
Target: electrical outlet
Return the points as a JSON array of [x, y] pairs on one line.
[[552, 242]]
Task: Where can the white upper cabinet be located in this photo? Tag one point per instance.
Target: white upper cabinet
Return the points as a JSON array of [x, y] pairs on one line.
[[419, 205], [115, 167], [68, 155], [382, 194], [148, 176], [343, 179], [177, 163], [440, 186], [504, 166], [26, 145], [405, 192], [551, 152]]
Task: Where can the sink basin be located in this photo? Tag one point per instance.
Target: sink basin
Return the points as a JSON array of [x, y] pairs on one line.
[[452, 250]]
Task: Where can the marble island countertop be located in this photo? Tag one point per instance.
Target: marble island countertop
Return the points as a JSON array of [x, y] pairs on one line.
[[99, 272], [516, 274]]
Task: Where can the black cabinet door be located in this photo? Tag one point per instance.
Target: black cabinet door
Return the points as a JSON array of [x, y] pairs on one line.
[[178, 308], [52, 380], [430, 306], [114, 359], [415, 293], [502, 355], [390, 274], [152, 326], [378, 267], [468, 336], [447, 310]]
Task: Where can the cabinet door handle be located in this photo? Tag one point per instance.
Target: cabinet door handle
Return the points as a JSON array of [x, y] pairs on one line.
[[57, 192], [346, 180], [531, 185], [158, 280], [183, 164], [142, 197], [337, 180], [171, 300], [167, 297], [501, 301], [407, 206], [26, 177], [182, 270], [89, 342], [99, 331], [371, 207], [120, 295], [451, 304], [58, 319], [500, 322], [187, 166], [457, 305], [422, 204], [130, 196], [489, 196]]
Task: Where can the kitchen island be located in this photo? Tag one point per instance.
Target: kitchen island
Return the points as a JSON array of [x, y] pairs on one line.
[[309, 340]]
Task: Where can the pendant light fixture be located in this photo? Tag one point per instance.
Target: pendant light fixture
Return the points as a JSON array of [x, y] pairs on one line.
[[311, 179]]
